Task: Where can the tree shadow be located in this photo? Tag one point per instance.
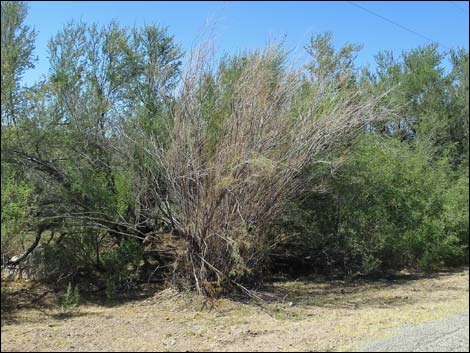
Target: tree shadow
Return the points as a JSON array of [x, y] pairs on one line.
[[99, 297], [16, 296], [279, 296], [379, 291], [45, 300]]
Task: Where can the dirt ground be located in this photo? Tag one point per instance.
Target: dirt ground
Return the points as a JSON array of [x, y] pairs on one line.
[[300, 315]]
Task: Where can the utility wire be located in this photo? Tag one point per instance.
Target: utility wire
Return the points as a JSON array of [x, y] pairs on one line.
[[395, 23]]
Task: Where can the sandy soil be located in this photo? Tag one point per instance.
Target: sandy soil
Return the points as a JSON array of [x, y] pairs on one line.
[[302, 315]]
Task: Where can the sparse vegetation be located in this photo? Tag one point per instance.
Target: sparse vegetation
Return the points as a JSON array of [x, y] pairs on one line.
[[296, 315], [71, 299]]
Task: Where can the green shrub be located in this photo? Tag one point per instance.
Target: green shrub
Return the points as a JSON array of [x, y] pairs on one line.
[[122, 267], [390, 206], [111, 288], [395, 201], [18, 209], [71, 299]]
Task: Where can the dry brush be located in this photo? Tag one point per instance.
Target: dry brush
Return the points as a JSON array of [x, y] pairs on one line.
[[222, 200]]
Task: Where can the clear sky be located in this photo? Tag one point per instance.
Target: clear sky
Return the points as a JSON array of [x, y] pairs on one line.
[[246, 25]]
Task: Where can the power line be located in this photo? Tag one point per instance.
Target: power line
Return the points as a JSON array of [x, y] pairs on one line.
[[395, 23]]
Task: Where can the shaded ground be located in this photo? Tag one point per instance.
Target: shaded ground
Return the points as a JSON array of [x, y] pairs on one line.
[[302, 315]]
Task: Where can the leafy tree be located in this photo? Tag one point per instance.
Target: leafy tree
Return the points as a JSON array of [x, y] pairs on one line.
[[386, 202], [458, 108], [17, 47], [431, 104], [71, 148], [329, 66], [394, 206]]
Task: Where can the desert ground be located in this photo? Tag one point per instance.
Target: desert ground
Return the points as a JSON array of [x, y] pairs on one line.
[[301, 314]]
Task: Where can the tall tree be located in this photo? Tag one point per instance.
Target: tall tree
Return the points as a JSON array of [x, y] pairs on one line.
[[17, 47]]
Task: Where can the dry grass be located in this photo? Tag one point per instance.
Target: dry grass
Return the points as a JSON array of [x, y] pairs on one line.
[[301, 315]]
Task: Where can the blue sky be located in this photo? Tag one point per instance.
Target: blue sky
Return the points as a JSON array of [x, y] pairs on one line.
[[247, 25]]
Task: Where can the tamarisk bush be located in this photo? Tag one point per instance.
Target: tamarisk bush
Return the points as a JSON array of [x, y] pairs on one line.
[[224, 192]]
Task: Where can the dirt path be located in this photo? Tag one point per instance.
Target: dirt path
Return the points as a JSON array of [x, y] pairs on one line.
[[301, 316], [446, 335]]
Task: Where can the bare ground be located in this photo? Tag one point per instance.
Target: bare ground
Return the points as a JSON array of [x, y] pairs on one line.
[[301, 315]]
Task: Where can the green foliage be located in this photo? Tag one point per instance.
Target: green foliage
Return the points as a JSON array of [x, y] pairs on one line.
[[65, 165], [393, 197], [72, 255], [458, 108], [455, 217], [17, 46], [122, 267], [111, 290], [18, 209], [390, 206], [71, 299], [220, 88], [431, 104], [84, 155], [123, 192], [330, 66], [123, 258]]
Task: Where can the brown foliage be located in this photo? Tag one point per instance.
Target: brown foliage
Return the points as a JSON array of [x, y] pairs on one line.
[[223, 202]]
